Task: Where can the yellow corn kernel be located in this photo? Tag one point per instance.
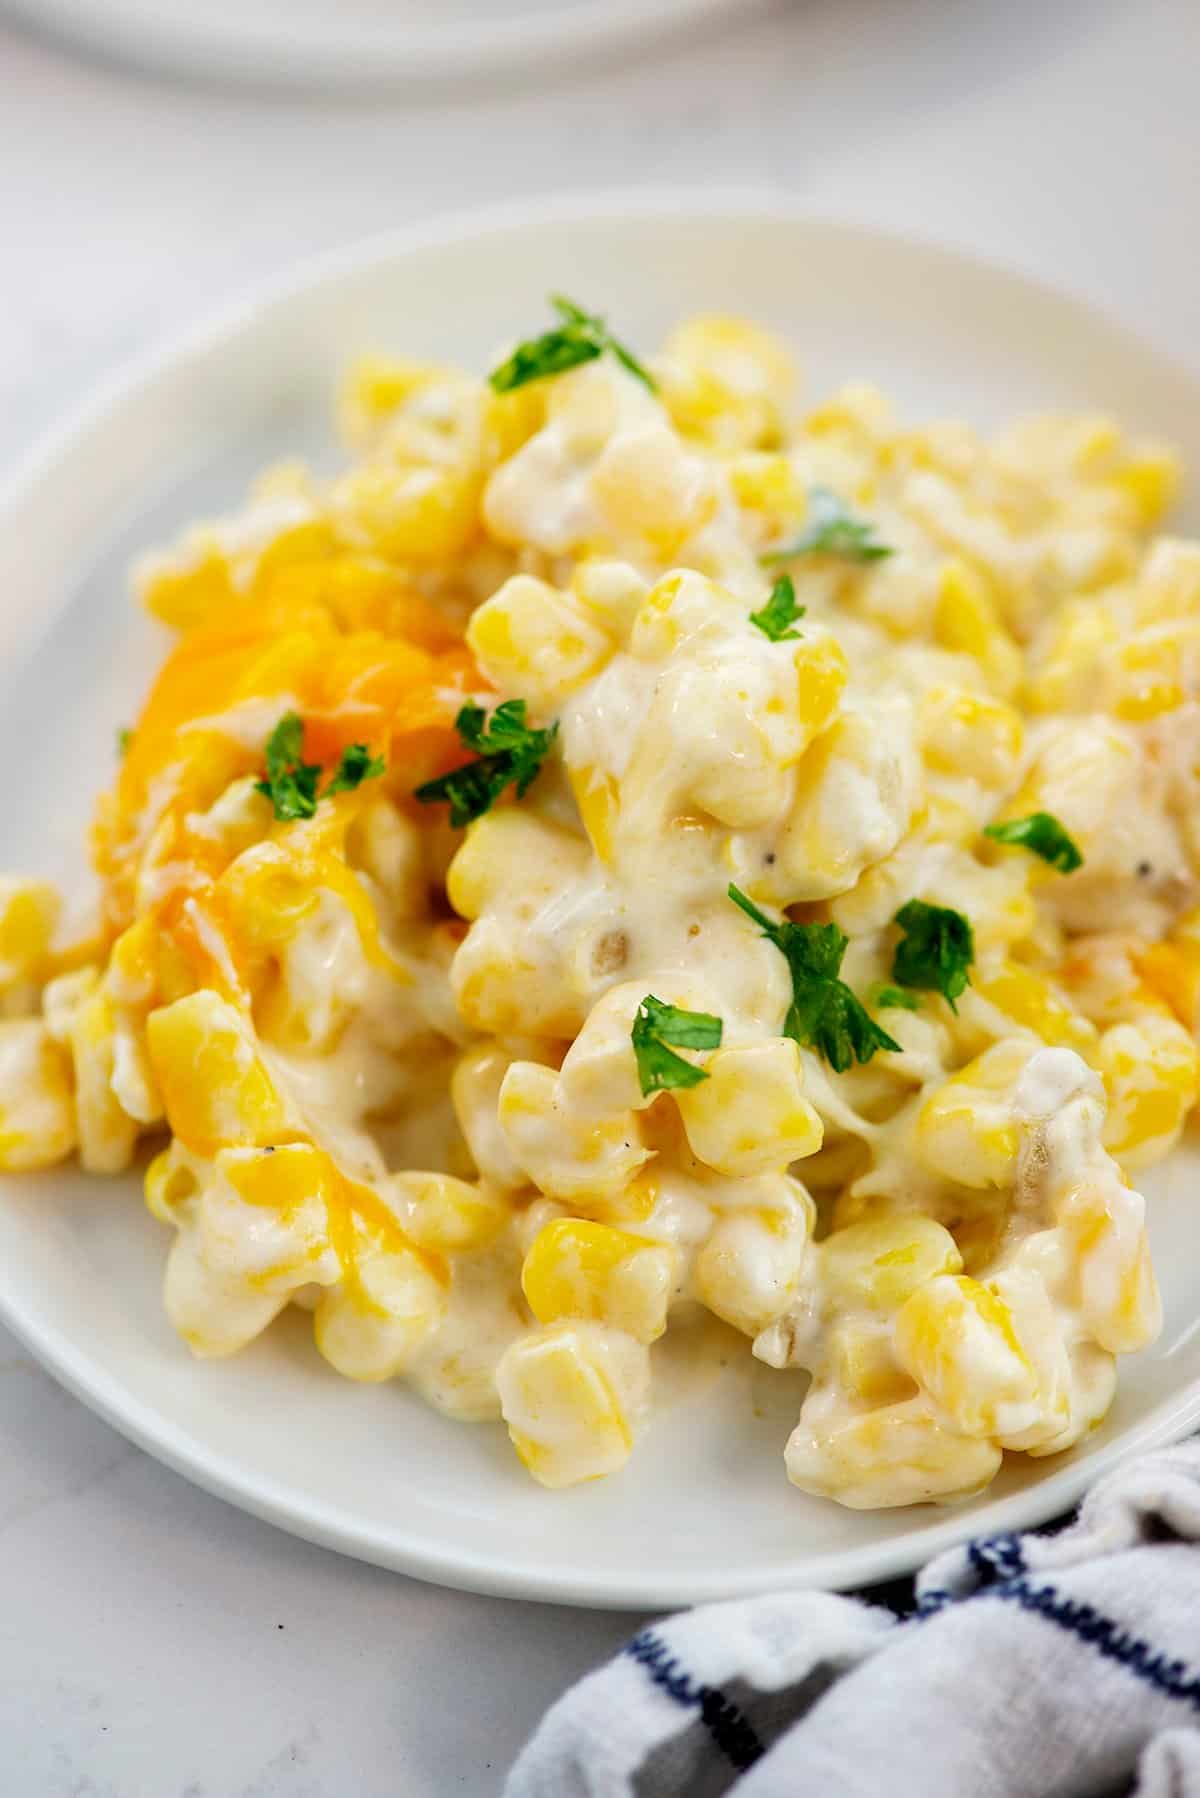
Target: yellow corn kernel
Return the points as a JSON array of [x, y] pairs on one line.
[[749, 1268], [371, 1324], [681, 604], [449, 1216], [374, 388], [37, 1112], [967, 620], [969, 734], [898, 1454], [647, 484], [598, 798], [882, 1260], [475, 1089], [579, 1269], [1069, 657], [611, 594], [821, 673], [107, 1134], [956, 1338], [29, 912], [572, 1396], [862, 1363], [770, 490], [966, 1130], [498, 853], [585, 1161], [1155, 671], [856, 789], [168, 1184], [1151, 1071], [215, 1088], [1151, 477], [750, 1115], [529, 639], [727, 382], [1168, 586], [1172, 970], [409, 512], [281, 1178], [1118, 1295], [1030, 1000]]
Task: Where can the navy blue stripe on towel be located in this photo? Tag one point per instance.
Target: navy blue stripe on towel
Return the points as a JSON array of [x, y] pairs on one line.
[[731, 1730], [1173, 1679]]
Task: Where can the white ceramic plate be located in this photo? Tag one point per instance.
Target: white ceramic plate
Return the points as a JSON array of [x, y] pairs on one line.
[[704, 1510], [361, 43]]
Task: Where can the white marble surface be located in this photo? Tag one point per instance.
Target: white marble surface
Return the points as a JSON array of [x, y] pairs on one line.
[[153, 1642]]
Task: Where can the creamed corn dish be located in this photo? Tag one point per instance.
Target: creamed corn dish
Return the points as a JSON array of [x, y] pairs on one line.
[[627, 844]]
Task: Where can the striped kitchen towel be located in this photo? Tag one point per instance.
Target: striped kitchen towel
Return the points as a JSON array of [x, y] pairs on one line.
[[1036, 1666]]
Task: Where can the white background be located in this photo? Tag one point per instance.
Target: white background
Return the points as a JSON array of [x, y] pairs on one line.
[[155, 1643]]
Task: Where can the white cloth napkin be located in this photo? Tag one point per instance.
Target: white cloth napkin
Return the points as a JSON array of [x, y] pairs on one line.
[[1036, 1666]]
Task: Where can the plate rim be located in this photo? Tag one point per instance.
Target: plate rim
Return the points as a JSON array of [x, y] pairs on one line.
[[153, 1429], [356, 57]]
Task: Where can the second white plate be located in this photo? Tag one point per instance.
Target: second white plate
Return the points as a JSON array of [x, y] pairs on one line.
[[362, 43], [704, 1509]]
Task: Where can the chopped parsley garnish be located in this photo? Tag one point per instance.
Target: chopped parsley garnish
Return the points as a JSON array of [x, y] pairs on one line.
[[124, 739], [291, 782], [824, 1014], [510, 754], [581, 337], [356, 765], [833, 530], [884, 998], [1042, 833], [936, 950], [656, 1025], [779, 612]]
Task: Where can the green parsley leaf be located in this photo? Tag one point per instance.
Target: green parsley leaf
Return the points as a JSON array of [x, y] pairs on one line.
[[885, 997], [291, 784], [656, 1025], [124, 739], [780, 611], [356, 765], [510, 754], [1042, 833], [936, 951], [833, 530], [581, 337], [824, 1013]]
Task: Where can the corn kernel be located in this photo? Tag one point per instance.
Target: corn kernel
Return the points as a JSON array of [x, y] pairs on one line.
[[968, 620], [449, 1216], [37, 1112], [107, 1134], [898, 1454], [750, 1115], [968, 734], [749, 1268], [966, 1130], [572, 1396], [1151, 1071], [579, 1269], [371, 1325], [414, 513], [956, 1338], [529, 639], [29, 912], [582, 1162], [214, 1086], [1119, 1301], [881, 1261]]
